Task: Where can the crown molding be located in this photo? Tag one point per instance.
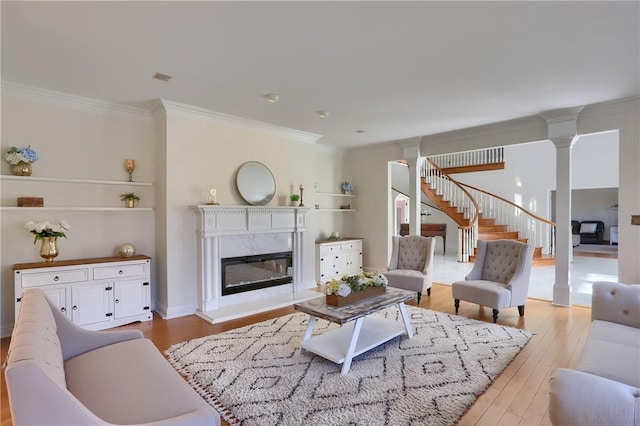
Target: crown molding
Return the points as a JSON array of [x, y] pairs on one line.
[[194, 111], [492, 129], [68, 100], [612, 107], [561, 115]]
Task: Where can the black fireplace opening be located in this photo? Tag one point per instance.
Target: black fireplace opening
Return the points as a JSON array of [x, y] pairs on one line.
[[247, 273]]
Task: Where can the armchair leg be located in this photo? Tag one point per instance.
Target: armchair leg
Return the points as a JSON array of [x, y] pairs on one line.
[[456, 303], [521, 310], [495, 315], [419, 297], [429, 291]]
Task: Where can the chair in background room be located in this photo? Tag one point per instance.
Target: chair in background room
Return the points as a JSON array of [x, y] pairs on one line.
[[499, 278], [411, 265]]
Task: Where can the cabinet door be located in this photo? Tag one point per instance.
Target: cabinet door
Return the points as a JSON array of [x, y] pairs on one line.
[[91, 303], [59, 297], [131, 298], [354, 262]]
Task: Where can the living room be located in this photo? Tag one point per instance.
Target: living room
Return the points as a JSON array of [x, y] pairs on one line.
[[183, 148]]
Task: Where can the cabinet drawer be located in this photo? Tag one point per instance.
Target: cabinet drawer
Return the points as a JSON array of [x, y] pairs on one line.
[[56, 277], [329, 250], [109, 272], [353, 245]]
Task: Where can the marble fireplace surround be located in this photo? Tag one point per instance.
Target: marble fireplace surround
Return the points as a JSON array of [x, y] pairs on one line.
[[230, 231]]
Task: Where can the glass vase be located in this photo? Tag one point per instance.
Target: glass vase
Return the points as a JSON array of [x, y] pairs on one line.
[[49, 248], [21, 169]]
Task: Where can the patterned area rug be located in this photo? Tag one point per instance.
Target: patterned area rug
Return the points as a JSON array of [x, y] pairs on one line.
[[255, 375]]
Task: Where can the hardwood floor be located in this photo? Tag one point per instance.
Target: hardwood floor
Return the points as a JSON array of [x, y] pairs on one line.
[[519, 396]]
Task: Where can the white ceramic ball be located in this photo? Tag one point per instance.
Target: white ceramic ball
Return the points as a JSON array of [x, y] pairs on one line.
[[127, 250]]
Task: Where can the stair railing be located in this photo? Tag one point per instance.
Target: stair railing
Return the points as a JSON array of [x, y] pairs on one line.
[[538, 231], [469, 158], [460, 199]]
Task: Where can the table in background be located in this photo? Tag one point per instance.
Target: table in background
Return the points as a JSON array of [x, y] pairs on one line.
[[429, 230]]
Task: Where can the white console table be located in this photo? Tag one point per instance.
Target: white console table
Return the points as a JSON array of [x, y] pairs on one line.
[[94, 293]]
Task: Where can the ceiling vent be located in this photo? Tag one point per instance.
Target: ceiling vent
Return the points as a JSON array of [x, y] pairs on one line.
[[162, 77]]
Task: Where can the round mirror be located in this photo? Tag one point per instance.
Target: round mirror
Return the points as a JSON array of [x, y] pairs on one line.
[[255, 183]]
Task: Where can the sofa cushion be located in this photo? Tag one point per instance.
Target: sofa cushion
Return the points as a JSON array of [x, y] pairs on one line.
[[588, 228], [485, 293], [411, 253], [612, 351], [501, 261], [406, 279], [114, 381]]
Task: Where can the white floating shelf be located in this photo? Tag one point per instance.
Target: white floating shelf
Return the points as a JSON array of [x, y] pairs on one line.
[[72, 209], [332, 194], [335, 210], [68, 180]]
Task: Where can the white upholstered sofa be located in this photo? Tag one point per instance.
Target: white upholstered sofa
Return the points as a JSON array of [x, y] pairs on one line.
[[604, 389], [60, 374]]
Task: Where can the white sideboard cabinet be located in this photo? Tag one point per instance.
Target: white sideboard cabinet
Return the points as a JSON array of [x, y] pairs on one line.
[[337, 258], [94, 293]]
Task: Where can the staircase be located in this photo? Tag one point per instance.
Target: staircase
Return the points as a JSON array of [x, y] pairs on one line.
[[488, 230], [484, 216]]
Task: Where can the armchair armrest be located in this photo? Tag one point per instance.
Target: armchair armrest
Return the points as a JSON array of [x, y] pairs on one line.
[[75, 340], [616, 302], [577, 398]]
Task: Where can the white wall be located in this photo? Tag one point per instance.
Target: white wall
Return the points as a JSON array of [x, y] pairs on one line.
[[202, 152], [79, 139], [622, 115], [595, 160]]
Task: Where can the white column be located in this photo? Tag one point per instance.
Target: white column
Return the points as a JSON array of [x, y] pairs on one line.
[[415, 192], [562, 130], [562, 286]]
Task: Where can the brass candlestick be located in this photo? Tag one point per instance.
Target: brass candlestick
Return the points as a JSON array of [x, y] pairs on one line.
[[130, 166], [301, 191]]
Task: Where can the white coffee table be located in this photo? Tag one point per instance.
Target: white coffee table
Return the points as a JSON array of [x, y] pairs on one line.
[[359, 332]]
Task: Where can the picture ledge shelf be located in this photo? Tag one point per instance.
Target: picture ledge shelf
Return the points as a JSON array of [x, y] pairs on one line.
[[335, 210], [69, 180]]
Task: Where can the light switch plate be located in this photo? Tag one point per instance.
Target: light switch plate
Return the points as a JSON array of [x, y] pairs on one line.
[[635, 219]]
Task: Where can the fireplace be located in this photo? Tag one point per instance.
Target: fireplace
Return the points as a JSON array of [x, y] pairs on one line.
[[239, 232], [247, 273]]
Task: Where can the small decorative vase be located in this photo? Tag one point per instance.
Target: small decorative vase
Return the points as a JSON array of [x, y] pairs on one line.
[[21, 169], [127, 250], [131, 203], [49, 248]]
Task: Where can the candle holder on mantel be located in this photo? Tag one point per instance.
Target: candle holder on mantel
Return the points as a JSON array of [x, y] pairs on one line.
[[301, 191], [130, 166]]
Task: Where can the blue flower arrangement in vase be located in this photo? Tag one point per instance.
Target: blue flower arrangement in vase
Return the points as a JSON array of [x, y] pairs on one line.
[[21, 159], [346, 188]]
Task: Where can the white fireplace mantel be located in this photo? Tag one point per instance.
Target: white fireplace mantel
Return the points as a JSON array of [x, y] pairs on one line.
[[238, 220], [216, 223]]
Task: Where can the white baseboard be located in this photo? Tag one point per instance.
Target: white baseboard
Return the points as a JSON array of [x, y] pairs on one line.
[[175, 312], [6, 331]]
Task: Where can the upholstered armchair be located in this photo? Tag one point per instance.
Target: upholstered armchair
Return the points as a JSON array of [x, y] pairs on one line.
[[499, 278], [411, 265]]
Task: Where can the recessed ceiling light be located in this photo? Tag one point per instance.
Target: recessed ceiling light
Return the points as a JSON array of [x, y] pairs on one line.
[[360, 131], [323, 114], [162, 77], [271, 98]]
